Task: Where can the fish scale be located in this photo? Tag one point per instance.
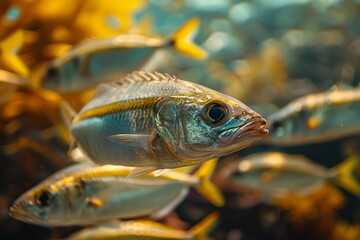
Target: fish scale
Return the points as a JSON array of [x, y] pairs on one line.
[[154, 120], [85, 194], [316, 118], [101, 60]]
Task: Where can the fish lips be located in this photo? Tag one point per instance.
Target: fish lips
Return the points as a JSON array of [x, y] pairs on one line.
[[17, 212], [250, 131], [21, 212]]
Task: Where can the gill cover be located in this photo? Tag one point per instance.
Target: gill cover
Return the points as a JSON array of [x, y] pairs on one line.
[[177, 121]]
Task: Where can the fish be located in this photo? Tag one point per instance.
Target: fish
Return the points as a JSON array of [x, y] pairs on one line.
[[85, 193], [145, 229], [96, 61], [9, 83], [277, 174], [157, 121], [316, 118]]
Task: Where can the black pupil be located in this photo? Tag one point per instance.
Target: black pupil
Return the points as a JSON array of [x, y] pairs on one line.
[[276, 125], [52, 73], [216, 112], [44, 199]]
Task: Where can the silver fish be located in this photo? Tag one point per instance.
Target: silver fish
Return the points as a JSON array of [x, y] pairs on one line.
[[157, 121], [316, 118], [276, 174], [145, 229], [85, 194], [101, 60]]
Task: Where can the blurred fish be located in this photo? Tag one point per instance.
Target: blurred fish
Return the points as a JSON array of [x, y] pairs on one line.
[[86, 194], [101, 60], [316, 118], [157, 121], [145, 229], [9, 83], [8, 58], [277, 174]]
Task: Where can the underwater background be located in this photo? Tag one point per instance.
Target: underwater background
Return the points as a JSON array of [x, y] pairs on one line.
[[264, 53]]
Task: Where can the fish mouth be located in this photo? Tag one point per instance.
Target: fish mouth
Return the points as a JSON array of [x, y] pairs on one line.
[[252, 129], [17, 212]]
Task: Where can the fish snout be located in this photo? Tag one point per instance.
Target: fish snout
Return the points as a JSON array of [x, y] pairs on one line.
[[16, 211], [19, 210], [252, 128], [254, 123]]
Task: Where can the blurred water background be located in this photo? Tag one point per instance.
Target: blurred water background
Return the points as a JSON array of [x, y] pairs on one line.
[[265, 53]]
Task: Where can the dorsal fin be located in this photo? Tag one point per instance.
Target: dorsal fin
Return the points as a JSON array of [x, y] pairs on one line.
[[140, 76]]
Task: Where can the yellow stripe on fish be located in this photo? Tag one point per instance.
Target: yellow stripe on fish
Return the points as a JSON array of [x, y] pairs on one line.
[[316, 118], [101, 60], [116, 108], [85, 194], [141, 229], [154, 120]]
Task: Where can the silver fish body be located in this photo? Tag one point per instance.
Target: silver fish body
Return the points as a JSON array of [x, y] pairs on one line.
[[276, 173], [102, 60], [82, 69], [316, 118], [145, 229], [156, 120], [86, 195], [132, 230]]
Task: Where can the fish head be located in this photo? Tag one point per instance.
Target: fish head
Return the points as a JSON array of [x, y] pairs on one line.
[[51, 78], [198, 130], [64, 78], [293, 125], [41, 205]]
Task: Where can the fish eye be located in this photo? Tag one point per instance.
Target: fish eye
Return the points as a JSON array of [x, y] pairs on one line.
[[44, 198], [214, 112], [52, 73], [276, 125]]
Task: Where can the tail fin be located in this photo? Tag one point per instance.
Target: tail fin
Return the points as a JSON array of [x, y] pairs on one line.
[[206, 188], [182, 40], [67, 115], [201, 229], [8, 49], [344, 176]]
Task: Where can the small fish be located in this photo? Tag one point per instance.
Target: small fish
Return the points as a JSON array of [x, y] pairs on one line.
[[102, 60], [157, 121], [277, 174], [145, 229], [85, 194], [316, 118]]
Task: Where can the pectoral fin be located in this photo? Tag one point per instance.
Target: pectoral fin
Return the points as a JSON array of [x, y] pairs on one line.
[[136, 140]]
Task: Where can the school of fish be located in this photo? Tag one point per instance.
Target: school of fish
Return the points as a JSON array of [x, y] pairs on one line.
[[125, 133]]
